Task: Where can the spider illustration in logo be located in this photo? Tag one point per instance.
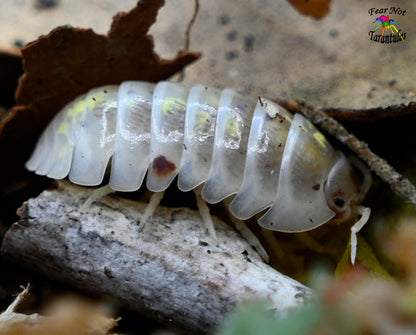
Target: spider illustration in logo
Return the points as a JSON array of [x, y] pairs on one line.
[[386, 23]]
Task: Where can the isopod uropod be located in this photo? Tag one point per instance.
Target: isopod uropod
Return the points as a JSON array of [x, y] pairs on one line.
[[234, 144]]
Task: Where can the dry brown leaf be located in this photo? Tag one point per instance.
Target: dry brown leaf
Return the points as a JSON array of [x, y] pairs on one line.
[[316, 8], [10, 69], [69, 61]]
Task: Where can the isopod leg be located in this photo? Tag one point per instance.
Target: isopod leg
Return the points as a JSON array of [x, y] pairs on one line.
[[250, 238], [365, 215], [153, 203], [96, 195], [205, 214]]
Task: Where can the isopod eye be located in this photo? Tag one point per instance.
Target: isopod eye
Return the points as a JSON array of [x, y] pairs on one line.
[[342, 187], [339, 202]]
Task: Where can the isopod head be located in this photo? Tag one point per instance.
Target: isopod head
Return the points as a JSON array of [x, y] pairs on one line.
[[347, 184], [316, 184]]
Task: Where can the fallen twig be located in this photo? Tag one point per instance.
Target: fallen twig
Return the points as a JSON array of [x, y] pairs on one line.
[[170, 270], [350, 114]]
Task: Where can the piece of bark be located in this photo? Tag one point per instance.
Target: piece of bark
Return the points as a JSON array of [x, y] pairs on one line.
[[171, 270]]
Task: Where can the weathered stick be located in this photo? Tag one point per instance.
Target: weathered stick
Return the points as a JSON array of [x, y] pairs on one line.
[[171, 269]]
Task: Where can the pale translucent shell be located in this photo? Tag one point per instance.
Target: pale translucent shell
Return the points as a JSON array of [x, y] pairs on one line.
[[53, 154], [166, 144], [268, 134], [200, 120], [131, 157], [306, 163], [268, 159], [230, 146], [94, 136]]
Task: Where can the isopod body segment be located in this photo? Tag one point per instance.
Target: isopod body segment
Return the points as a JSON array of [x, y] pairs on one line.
[[235, 144]]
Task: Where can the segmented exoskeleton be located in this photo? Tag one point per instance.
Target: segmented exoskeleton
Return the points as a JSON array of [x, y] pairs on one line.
[[234, 144]]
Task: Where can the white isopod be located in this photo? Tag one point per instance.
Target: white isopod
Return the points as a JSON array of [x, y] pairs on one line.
[[234, 144]]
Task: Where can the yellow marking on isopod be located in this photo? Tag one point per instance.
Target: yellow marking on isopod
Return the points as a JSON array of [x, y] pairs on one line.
[[313, 149], [320, 139], [232, 127], [173, 105], [316, 134], [96, 99], [89, 102], [63, 127], [77, 109], [202, 122]]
